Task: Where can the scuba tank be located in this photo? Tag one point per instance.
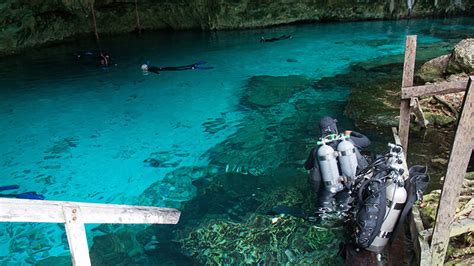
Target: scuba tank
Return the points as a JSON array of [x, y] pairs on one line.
[[347, 158], [328, 166], [396, 198]]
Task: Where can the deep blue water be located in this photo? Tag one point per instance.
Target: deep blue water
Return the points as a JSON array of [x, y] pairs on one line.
[[72, 131]]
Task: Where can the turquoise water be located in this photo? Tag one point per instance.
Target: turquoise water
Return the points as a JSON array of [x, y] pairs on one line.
[[223, 141]]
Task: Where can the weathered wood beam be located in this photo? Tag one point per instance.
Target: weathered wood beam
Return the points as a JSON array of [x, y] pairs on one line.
[[407, 81], [422, 248], [434, 89], [45, 211], [76, 235], [457, 166]]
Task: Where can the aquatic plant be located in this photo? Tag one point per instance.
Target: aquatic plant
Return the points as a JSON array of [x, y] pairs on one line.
[[259, 240]]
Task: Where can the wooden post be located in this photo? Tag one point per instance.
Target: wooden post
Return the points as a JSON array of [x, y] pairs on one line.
[[94, 23], [76, 235], [457, 166], [407, 81]]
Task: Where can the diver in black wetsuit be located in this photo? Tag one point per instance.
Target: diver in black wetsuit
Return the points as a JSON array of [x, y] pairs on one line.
[[283, 37], [326, 201], [157, 70]]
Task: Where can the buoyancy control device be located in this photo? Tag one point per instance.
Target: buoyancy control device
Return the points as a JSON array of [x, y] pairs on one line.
[[382, 198], [330, 161]]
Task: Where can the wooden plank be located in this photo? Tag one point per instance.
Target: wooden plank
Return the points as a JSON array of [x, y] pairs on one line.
[[76, 235], [434, 89], [457, 166], [407, 81], [422, 248], [45, 211]]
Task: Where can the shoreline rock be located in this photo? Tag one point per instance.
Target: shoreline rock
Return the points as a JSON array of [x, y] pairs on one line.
[[27, 24]]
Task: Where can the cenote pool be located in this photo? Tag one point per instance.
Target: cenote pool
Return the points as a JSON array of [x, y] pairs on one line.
[[223, 145]]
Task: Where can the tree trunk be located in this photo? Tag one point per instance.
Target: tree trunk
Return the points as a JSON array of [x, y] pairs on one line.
[[94, 23], [138, 27]]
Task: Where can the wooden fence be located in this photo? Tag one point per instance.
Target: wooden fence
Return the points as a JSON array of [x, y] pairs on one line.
[[445, 225]]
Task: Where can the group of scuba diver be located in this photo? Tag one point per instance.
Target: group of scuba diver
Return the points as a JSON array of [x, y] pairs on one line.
[[373, 194], [104, 60]]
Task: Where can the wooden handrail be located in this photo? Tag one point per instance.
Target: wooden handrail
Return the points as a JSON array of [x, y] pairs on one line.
[[75, 214], [434, 89]]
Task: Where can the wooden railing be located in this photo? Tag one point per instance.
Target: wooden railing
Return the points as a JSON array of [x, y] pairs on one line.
[[445, 225], [75, 214]]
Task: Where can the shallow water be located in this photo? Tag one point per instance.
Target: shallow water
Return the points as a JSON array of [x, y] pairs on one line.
[[72, 131]]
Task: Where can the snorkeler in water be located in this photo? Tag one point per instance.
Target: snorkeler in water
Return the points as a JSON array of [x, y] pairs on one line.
[[102, 57], [156, 70], [283, 37]]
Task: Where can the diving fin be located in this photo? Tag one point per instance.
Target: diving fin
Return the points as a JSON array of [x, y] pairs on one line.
[[9, 187], [203, 68], [27, 195]]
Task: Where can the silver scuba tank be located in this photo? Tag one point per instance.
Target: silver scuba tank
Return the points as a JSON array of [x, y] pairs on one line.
[[329, 170], [347, 158], [396, 199]]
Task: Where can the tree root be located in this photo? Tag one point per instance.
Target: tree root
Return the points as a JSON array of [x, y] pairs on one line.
[[448, 105]]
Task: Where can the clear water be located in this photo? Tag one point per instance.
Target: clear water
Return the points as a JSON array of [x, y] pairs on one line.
[[72, 131]]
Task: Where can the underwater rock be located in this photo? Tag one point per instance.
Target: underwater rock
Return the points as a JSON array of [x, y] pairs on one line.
[[375, 95], [62, 146], [162, 159], [434, 69], [175, 187], [55, 260], [256, 148], [265, 91], [116, 249], [462, 58]]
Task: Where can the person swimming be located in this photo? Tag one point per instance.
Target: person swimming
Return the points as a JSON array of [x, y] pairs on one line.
[[104, 59], [283, 37], [198, 65]]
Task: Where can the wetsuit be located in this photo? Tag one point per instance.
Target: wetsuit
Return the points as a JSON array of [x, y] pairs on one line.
[[283, 37], [157, 70]]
